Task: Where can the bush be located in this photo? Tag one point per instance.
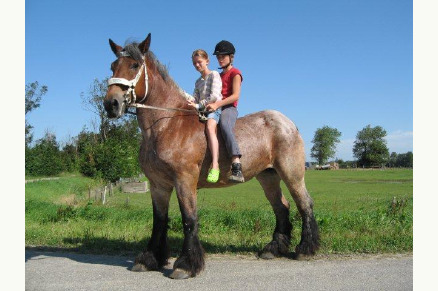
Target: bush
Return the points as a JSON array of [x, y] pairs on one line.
[[44, 159], [113, 157], [70, 158]]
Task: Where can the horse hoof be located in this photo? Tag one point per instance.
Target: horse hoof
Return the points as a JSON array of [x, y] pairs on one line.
[[267, 256], [139, 268], [301, 257], [179, 274]]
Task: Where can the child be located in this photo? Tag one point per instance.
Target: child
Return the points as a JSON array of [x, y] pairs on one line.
[[231, 83], [208, 90]]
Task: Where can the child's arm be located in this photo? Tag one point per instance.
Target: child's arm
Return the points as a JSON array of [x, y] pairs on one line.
[[195, 97], [187, 96], [237, 81]]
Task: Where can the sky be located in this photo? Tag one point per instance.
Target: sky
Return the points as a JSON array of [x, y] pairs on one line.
[[344, 64]]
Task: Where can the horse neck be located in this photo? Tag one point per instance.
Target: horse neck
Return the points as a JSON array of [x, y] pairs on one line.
[[164, 94]]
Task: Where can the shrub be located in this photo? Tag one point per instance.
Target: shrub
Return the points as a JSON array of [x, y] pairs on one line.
[[111, 157], [44, 159]]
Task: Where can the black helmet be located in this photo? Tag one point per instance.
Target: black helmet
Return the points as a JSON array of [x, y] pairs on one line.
[[224, 48]]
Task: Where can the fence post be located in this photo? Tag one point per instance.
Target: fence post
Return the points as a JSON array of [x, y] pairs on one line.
[[89, 192], [104, 195]]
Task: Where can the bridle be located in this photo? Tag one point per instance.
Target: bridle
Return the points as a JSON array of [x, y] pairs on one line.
[[132, 83]]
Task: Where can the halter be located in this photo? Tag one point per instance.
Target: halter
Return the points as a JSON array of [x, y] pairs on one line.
[[131, 83]]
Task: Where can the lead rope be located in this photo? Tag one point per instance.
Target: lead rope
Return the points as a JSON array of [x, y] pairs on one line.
[[201, 114]]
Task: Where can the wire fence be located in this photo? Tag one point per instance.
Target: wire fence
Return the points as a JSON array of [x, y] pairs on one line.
[[126, 185]]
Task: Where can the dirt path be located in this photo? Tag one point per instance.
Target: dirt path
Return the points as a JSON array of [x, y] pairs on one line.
[[41, 179]]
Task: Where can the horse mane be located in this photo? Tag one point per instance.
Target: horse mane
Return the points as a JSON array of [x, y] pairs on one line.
[[133, 50]]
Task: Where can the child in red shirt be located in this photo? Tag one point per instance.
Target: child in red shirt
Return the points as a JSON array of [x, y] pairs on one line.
[[231, 83]]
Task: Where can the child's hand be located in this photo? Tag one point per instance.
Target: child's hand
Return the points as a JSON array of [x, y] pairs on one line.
[[212, 107], [192, 104]]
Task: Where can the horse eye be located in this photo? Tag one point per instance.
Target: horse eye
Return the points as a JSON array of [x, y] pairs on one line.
[[135, 66]]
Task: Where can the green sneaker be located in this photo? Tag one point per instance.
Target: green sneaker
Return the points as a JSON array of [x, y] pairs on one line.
[[213, 176]]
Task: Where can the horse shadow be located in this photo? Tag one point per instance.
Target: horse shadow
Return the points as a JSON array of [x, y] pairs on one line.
[[115, 252], [40, 253]]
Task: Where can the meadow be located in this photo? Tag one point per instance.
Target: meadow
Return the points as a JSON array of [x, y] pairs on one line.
[[358, 211]]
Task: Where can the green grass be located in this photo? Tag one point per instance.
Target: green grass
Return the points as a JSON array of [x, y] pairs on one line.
[[354, 209]]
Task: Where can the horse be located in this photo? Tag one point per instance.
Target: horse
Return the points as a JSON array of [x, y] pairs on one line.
[[174, 155]]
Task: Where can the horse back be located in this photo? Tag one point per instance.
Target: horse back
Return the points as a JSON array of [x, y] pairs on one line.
[[263, 137]]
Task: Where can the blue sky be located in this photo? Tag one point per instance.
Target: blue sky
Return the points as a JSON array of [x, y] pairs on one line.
[[345, 64]]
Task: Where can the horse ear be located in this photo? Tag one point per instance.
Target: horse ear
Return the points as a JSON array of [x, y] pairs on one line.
[[114, 47], [144, 46]]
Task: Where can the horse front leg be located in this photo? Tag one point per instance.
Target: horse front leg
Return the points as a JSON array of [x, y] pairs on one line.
[[191, 260], [157, 252]]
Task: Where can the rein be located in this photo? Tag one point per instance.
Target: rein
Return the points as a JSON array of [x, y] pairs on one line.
[[131, 89], [136, 105]]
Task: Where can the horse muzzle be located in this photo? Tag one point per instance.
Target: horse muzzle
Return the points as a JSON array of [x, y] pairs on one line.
[[115, 106]]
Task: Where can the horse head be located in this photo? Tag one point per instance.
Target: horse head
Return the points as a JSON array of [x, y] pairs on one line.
[[129, 82]]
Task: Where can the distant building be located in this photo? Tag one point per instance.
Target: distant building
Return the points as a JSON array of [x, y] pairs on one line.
[[329, 166], [309, 166]]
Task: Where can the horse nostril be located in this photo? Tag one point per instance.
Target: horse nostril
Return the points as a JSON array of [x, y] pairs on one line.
[[114, 105]]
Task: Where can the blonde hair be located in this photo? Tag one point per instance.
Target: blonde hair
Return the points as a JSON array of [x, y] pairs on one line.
[[200, 53], [231, 58]]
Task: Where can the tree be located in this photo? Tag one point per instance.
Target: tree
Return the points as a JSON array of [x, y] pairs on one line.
[[93, 102], [324, 144], [33, 95], [70, 156], [86, 145], [405, 160], [44, 159], [114, 157], [392, 161], [370, 147], [117, 156]]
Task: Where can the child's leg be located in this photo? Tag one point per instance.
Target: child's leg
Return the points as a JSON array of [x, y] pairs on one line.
[[213, 143], [227, 122]]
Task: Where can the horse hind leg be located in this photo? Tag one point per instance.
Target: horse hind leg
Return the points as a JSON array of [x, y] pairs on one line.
[[279, 246], [309, 242], [293, 176]]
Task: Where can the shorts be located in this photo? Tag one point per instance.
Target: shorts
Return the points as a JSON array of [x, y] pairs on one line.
[[216, 115]]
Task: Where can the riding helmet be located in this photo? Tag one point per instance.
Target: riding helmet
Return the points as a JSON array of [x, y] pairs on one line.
[[224, 48]]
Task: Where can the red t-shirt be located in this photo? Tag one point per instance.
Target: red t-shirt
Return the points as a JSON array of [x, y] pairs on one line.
[[227, 83]]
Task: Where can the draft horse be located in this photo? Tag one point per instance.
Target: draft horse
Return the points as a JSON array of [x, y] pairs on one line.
[[174, 155]]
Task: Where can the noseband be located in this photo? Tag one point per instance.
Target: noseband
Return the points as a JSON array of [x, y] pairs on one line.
[[131, 83]]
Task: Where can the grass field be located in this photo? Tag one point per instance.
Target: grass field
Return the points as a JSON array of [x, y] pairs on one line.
[[358, 211]]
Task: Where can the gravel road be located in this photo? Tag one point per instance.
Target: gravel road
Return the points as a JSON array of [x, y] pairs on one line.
[[71, 271]]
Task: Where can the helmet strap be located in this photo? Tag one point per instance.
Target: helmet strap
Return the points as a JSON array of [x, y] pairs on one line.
[[226, 66]]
